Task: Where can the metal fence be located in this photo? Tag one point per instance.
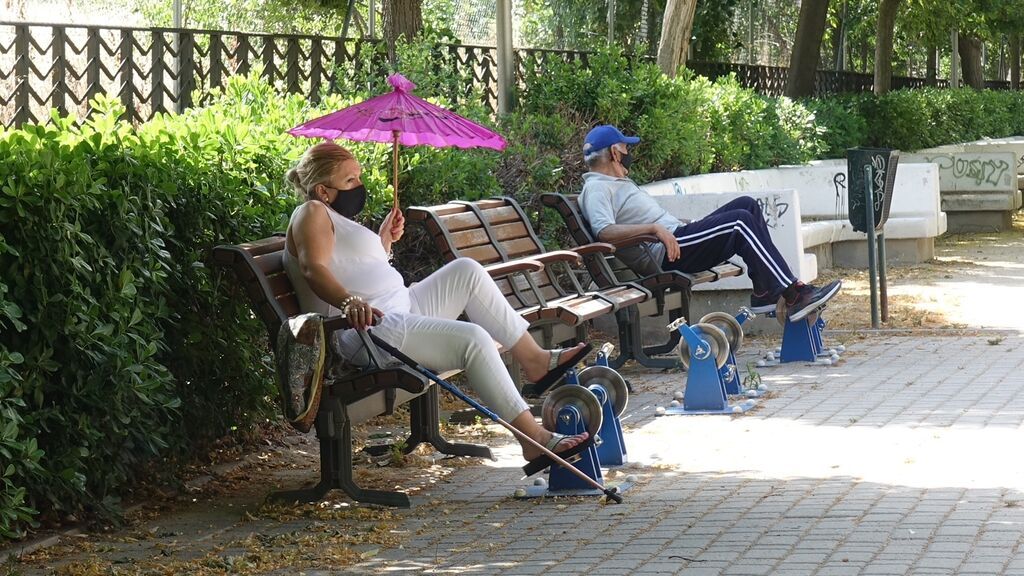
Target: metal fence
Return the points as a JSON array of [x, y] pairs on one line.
[[771, 80], [151, 70]]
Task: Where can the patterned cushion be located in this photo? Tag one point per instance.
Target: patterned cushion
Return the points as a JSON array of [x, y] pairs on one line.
[[301, 355]]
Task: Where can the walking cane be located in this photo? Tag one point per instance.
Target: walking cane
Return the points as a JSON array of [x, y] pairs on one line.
[[611, 493]]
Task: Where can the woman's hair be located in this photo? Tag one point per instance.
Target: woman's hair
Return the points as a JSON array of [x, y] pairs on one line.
[[315, 167]]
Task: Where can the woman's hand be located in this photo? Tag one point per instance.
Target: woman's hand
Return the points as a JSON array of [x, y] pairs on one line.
[[392, 229], [361, 315]]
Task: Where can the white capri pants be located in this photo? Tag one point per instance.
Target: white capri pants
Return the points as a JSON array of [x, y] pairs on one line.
[[431, 335]]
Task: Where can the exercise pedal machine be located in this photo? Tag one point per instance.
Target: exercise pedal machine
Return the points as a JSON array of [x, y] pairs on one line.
[[732, 326], [590, 401], [802, 340], [571, 410], [612, 392], [704, 348]]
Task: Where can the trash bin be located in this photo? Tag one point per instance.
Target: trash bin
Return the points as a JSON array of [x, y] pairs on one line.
[[883, 163]]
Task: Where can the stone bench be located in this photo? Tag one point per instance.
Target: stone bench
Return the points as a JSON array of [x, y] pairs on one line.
[[820, 189], [781, 209], [981, 182]]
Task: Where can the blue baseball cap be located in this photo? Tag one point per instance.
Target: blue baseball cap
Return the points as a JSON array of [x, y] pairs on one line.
[[604, 136]]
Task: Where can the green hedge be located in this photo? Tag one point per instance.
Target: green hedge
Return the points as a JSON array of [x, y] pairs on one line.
[[120, 347]]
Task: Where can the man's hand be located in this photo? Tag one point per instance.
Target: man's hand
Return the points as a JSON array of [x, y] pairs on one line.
[[670, 242]]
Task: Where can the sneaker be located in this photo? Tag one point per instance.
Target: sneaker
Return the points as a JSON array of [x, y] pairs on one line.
[[809, 298], [764, 303]]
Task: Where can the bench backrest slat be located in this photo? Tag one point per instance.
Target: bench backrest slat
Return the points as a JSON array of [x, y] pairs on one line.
[[458, 231], [567, 206]]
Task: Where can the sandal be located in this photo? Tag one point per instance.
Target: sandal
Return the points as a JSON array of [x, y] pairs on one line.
[[557, 369], [540, 463]]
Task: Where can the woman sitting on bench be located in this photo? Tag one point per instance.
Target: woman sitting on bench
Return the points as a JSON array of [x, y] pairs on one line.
[[339, 266]]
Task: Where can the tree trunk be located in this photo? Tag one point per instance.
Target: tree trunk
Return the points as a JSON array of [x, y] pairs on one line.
[[970, 62], [1015, 61], [401, 18], [806, 48], [932, 66], [883, 45], [675, 35]]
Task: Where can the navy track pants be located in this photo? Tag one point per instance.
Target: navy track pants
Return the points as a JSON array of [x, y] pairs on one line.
[[737, 228]]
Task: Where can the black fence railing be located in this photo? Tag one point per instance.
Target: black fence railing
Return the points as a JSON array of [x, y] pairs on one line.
[[771, 80], [152, 70]]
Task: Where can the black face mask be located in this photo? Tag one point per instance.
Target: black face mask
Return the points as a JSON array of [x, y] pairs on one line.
[[350, 202], [626, 160]]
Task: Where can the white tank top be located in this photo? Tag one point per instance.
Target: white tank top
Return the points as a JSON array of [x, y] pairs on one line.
[[361, 265]]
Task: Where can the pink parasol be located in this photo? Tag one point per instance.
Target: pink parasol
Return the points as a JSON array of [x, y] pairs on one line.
[[400, 118]]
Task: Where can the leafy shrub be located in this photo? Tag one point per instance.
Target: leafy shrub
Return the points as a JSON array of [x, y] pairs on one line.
[[842, 127], [116, 332], [927, 117]]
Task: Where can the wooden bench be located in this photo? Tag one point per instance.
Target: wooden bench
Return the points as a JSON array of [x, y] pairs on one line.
[[351, 398], [497, 230], [671, 289]]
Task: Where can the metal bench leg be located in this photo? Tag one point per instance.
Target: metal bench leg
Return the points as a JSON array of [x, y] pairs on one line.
[[673, 339], [425, 425], [630, 331], [335, 432], [627, 321]]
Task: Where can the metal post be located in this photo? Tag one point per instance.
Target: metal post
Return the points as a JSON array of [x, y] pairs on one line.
[[22, 113], [954, 60], [644, 8], [176, 79], [869, 223], [611, 21], [883, 287], [750, 35], [373, 19], [506, 58]]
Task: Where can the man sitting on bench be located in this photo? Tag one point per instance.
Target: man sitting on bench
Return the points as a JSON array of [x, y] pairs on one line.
[[339, 266], [618, 209]]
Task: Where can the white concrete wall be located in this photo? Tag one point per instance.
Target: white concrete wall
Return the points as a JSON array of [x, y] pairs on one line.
[[1012, 144], [970, 171], [821, 189], [781, 209]]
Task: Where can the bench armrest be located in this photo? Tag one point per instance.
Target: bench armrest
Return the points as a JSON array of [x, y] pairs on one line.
[[638, 239], [515, 266], [594, 247], [333, 323], [558, 256], [665, 280]]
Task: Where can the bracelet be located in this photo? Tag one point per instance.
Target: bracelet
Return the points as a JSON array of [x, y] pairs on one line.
[[347, 303]]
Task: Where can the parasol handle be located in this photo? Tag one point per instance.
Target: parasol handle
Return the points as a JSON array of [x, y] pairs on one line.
[[394, 161]]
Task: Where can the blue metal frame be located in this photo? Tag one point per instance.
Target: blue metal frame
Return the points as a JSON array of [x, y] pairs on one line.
[[802, 341], [705, 386], [612, 449], [570, 423]]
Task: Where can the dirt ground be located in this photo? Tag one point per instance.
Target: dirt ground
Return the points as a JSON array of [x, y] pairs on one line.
[[971, 283]]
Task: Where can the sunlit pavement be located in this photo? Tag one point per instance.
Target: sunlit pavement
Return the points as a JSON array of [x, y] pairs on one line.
[[901, 459]]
